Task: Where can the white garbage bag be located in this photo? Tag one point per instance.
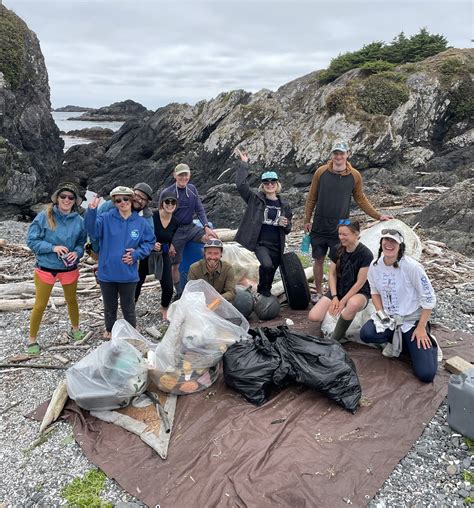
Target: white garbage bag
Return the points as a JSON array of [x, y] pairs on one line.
[[244, 263]]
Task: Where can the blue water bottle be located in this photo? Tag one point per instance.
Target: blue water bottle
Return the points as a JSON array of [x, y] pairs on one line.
[[305, 244]]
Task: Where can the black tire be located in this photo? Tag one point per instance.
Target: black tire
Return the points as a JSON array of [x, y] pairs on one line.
[[294, 281]]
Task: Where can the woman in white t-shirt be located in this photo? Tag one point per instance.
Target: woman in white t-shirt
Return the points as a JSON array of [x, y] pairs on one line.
[[404, 299]]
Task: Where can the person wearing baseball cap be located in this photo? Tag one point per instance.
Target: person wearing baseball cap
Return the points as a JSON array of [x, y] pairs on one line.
[[189, 206], [332, 187], [403, 298], [216, 272]]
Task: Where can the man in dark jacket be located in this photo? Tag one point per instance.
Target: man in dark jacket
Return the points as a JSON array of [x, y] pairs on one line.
[[189, 205]]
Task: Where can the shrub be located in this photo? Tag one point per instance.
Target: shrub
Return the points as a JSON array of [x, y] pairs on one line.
[[381, 96], [377, 66], [12, 50], [461, 106], [451, 67], [339, 101]]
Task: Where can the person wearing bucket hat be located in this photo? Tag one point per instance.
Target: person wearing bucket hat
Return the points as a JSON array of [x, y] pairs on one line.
[[125, 237], [266, 221], [332, 187], [57, 237], [216, 272], [189, 205], [403, 298]]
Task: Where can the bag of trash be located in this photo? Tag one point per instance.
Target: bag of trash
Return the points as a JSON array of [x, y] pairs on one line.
[[353, 332], [243, 261], [202, 326], [319, 363], [111, 375], [249, 366], [371, 237]]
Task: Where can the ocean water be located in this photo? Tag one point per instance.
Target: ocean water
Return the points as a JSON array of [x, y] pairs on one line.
[[61, 119]]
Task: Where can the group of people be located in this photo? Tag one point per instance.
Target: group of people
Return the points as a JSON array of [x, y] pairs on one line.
[[131, 241]]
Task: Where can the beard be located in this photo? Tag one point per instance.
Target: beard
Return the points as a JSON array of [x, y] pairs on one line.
[[212, 264]]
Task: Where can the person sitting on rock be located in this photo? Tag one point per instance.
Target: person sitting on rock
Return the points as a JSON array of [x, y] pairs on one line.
[[265, 224], [57, 237], [404, 299], [189, 204], [349, 290], [216, 272]]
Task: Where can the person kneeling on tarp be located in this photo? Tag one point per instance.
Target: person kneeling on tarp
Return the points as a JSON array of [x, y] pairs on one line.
[[219, 274], [349, 290], [403, 298]]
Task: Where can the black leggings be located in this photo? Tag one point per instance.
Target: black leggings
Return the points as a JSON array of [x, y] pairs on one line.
[[269, 256], [110, 295], [166, 280]]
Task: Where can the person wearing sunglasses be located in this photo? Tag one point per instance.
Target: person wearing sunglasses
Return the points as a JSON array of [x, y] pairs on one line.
[[216, 272], [349, 291], [266, 222], [124, 238], [189, 205], [57, 237], [403, 298], [165, 226], [330, 193]]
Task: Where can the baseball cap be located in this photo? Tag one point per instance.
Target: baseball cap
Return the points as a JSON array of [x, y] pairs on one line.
[[269, 175], [393, 234], [181, 168], [340, 146]]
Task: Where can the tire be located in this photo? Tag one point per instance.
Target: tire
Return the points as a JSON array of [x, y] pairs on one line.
[[294, 281]]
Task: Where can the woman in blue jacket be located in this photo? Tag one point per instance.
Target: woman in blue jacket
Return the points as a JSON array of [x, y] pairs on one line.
[[124, 238], [57, 237]]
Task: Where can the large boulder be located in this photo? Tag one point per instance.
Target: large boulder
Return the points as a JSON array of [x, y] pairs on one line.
[[31, 149]]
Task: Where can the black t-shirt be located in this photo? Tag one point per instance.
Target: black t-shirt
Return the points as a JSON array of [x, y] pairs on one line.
[[270, 232], [164, 235], [351, 263]]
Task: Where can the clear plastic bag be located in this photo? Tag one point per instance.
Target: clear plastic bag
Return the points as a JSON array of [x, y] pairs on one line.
[[203, 325], [111, 375], [244, 263]]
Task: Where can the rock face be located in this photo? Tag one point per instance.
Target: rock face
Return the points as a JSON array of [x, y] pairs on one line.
[[95, 133], [72, 109], [450, 218], [31, 150], [425, 137], [116, 112]]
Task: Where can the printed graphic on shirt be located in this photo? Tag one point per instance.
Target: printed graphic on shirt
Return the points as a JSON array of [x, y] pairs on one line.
[[389, 293], [426, 288], [134, 234], [271, 215]]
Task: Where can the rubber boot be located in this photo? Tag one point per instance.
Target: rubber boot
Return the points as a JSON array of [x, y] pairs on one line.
[[341, 328]]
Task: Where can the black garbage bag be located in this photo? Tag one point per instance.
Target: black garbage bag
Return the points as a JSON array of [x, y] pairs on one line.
[[317, 362], [249, 366]]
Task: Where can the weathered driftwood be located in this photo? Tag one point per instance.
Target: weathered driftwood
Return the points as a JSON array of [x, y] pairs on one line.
[[61, 358], [25, 304], [31, 366], [87, 336], [226, 235], [56, 405], [440, 189], [68, 347], [20, 288], [456, 365]]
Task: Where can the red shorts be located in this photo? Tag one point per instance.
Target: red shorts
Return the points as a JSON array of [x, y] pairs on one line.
[[64, 278]]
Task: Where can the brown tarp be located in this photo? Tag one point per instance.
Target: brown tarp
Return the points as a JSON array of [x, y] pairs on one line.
[[299, 449]]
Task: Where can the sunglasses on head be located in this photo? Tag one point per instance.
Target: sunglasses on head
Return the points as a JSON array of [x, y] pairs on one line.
[[346, 222], [124, 199], [67, 196], [269, 180], [391, 232], [169, 201]]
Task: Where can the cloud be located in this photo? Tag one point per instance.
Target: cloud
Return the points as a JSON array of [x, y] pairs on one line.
[[157, 52]]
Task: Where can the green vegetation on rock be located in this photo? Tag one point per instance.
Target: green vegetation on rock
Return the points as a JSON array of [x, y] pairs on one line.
[[12, 46], [84, 492], [381, 96], [378, 56]]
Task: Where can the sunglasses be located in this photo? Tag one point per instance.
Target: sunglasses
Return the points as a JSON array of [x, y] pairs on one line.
[[269, 180], [125, 199], [346, 222], [140, 198], [67, 196], [170, 202]]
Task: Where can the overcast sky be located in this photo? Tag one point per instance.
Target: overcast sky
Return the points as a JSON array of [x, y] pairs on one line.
[[155, 52]]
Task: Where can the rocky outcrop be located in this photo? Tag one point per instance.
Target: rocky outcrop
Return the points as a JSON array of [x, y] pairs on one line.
[[450, 218], [116, 112], [72, 109], [95, 133], [31, 149]]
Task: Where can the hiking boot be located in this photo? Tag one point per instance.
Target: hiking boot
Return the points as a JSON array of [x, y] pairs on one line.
[[76, 336]]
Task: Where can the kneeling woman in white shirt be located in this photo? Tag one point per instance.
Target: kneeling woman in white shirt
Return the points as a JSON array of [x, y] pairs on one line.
[[401, 289]]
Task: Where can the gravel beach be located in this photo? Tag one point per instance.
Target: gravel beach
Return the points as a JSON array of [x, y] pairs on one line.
[[34, 474]]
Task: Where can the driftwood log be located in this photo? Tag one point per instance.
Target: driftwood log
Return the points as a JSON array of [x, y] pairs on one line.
[[56, 405]]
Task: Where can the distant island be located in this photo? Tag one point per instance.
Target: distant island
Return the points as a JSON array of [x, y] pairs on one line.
[[116, 112], [72, 109]]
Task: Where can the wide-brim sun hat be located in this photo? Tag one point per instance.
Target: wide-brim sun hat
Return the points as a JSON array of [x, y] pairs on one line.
[[66, 186], [121, 190]]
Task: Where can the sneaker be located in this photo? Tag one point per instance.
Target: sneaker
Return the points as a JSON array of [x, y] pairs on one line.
[[33, 349], [434, 342], [76, 336], [388, 350]]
